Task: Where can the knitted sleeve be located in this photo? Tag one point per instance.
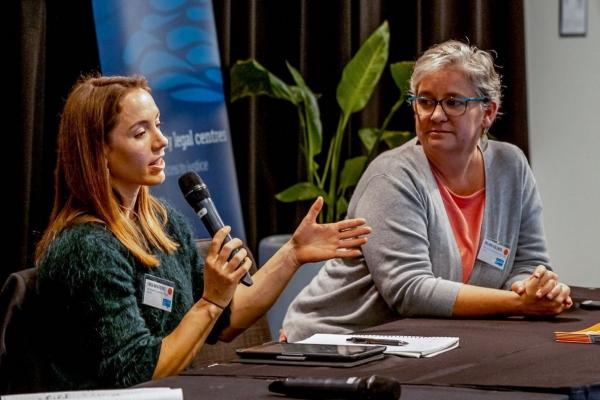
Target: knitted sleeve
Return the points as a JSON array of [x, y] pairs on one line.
[[181, 229], [532, 249], [398, 252], [92, 276]]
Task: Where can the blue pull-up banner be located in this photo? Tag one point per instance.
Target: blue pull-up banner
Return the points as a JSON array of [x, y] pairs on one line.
[[173, 43]]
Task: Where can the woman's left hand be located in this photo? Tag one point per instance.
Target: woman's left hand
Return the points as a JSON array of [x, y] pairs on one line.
[[313, 242], [544, 284]]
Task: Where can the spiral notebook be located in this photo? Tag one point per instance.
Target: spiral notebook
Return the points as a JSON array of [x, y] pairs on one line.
[[410, 346]]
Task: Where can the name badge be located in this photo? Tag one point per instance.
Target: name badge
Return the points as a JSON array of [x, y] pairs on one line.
[[158, 293], [493, 254]]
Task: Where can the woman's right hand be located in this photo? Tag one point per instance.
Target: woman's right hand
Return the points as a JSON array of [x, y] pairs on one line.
[[542, 293], [221, 277]]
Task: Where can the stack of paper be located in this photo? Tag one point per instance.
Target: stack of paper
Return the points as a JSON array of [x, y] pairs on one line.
[[158, 393], [587, 335], [411, 346]]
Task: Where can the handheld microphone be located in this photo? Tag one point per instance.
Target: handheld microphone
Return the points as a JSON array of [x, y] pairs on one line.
[[372, 388], [197, 195]]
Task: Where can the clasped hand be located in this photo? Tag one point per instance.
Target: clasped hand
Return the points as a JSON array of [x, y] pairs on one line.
[[542, 293]]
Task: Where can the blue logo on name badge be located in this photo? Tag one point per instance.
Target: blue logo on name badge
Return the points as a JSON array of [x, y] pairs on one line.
[[499, 262], [167, 303]]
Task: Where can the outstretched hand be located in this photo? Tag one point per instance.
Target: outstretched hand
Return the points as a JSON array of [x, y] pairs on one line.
[[314, 242]]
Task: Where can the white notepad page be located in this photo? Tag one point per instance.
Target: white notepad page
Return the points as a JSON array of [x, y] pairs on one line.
[[417, 346]]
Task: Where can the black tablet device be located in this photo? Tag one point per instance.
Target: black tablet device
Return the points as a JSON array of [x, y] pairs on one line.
[[310, 354]]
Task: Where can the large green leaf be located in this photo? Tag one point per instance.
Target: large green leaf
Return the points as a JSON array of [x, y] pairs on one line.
[[401, 73], [352, 171], [311, 113], [300, 191], [362, 73], [396, 138], [314, 166], [249, 78], [341, 206], [368, 137]]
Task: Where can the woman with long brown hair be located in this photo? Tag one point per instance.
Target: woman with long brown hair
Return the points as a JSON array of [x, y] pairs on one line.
[[118, 269]]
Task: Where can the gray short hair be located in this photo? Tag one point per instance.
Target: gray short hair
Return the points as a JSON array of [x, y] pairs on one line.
[[477, 64]]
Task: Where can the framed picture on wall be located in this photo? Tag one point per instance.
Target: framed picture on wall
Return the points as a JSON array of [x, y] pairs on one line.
[[573, 17]]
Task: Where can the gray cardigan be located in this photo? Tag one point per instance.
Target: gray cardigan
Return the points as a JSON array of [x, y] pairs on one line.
[[412, 265]]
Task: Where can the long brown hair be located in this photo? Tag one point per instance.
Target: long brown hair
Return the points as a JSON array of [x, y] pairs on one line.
[[82, 189]]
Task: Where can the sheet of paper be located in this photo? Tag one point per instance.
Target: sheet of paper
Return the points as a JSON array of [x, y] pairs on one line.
[[129, 394], [416, 346]]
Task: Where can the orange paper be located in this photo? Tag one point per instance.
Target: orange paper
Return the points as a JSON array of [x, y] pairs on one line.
[[587, 335]]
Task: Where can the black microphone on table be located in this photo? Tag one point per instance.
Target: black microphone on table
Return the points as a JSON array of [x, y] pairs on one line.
[[372, 388], [197, 195]]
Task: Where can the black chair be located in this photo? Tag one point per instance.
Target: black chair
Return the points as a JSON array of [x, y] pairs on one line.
[[21, 364]]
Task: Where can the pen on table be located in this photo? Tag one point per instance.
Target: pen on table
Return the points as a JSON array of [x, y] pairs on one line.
[[367, 340]]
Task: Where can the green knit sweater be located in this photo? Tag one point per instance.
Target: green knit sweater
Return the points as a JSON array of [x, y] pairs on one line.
[[99, 333]]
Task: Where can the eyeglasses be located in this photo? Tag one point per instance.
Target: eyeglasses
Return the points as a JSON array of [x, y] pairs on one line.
[[452, 106]]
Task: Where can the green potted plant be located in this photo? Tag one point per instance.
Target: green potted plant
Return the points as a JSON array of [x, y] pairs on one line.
[[359, 79]]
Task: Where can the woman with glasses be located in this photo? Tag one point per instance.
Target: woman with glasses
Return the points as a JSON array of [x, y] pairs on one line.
[[457, 219]]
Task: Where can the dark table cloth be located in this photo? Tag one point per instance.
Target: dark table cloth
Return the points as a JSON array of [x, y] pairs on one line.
[[494, 354]]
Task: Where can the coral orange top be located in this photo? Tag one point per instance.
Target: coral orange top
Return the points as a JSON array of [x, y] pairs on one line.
[[465, 214]]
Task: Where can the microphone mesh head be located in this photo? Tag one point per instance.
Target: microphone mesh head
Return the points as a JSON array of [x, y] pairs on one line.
[[382, 388], [193, 188], [188, 180]]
